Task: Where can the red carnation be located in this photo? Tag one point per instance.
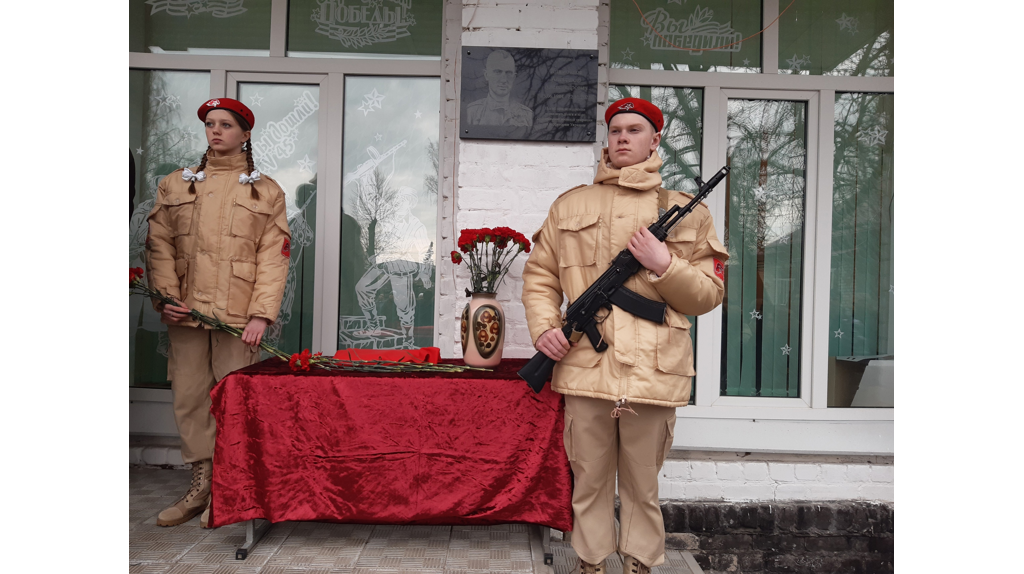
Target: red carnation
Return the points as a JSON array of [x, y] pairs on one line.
[[456, 257]]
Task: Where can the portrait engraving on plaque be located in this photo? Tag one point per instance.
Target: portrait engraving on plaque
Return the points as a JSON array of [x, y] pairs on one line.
[[528, 94]]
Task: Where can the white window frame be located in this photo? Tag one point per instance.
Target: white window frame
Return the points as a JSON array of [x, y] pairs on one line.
[[768, 424]]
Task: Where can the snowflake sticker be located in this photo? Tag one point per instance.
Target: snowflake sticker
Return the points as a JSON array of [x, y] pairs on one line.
[[873, 136]]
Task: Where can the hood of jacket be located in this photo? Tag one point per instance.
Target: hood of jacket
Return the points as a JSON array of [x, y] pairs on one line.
[[641, 176]]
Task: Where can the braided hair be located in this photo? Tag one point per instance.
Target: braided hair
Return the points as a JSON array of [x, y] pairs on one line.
[[202, 166]]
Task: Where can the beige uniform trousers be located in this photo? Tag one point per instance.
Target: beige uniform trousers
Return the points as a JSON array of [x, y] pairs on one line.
[[197, 360], [635, 445]]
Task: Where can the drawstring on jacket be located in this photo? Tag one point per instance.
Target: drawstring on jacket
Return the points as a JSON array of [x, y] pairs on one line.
[[620, 405]]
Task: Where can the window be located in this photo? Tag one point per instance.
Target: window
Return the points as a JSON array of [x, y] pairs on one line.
[[861, 287], [655, 35], [164, 135], [836, 37], [389, 213], [226, 27], [400, 28], [763, 229], [286, 145]]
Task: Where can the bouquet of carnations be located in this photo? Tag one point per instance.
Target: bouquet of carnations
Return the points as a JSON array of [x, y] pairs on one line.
[[297, 361], [489, 254]]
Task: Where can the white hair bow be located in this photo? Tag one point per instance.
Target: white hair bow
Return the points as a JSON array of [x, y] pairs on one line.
[[254, 176], [187, 175]]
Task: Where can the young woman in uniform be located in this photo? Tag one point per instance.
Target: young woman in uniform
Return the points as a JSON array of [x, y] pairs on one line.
[[218, 243]]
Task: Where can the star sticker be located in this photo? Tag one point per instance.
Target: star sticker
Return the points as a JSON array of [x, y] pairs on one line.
[[378, 137], [784, 239], [417, 114], [374, 99], [890, 288], [173, 101], [366, 109], [786, 349], [839, 333], [755, 314], [847, 23], [873, 136], [256, 100], [306, 164], [746, 61], [796, 62], [759, 193], [627, 54], [189, 134]]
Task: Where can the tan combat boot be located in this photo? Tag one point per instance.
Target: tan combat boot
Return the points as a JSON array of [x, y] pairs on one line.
[[631, 565], [194, 501], [588, 568]]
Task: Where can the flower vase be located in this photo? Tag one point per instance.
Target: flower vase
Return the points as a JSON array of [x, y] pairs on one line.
[[483, 331]]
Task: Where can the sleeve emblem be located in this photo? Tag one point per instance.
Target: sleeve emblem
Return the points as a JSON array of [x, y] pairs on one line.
[[286, 249], [719, 269]]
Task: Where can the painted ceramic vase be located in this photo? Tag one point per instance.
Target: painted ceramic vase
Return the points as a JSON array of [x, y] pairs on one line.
[[483, 331]]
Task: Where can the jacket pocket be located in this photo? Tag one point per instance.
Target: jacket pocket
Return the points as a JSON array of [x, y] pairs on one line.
[[681, 241], [249, 218], [243, 280], [578, 238], [675, 348], [670, 435], [181, 270], [181, 210], [570, 450]]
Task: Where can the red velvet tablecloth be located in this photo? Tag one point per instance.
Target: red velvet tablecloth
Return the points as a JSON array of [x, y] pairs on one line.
[[451, 448]]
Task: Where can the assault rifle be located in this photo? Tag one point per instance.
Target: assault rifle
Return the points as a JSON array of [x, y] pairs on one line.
[[581, 315]]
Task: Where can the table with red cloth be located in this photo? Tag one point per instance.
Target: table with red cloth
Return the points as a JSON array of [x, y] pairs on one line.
[[396, 448]]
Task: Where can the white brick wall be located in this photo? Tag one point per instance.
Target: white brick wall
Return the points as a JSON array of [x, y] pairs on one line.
[[775, 481]]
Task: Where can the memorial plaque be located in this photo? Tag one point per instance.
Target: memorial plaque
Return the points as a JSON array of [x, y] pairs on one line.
[[535, 94]]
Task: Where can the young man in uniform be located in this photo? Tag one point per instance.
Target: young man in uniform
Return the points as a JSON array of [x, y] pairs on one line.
[[620, 405]]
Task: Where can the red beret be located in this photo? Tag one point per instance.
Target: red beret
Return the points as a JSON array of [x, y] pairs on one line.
[[636, 106], [227, 104]]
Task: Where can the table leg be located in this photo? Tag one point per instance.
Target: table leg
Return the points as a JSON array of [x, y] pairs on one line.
[[540, 548], [253, 533]]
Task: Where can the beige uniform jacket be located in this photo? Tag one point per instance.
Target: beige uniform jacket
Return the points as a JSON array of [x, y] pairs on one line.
[[220, 251], [585, 229]]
